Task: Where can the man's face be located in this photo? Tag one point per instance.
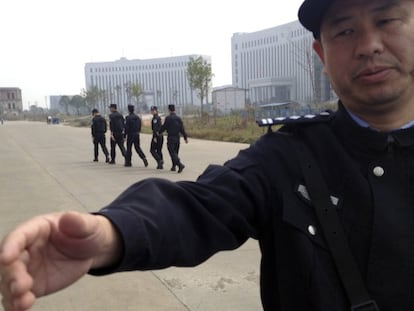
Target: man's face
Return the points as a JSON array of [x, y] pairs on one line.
[[367, 47]]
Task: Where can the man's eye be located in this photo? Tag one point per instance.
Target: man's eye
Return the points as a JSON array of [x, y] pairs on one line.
[[386, 21], [345, 32]]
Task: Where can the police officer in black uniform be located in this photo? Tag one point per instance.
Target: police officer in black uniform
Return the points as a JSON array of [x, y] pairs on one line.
[[157, 139], [117, 126], [174, 127], [132, 129], [356, 163], [98, 130]]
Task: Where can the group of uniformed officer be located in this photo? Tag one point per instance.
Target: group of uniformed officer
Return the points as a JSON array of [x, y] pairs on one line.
[[128, 129]]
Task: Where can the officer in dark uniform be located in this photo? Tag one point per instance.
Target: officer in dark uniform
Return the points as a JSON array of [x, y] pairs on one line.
[[174, 127], [157, 139], [98, 130], [117, 126], [356, 163], [132, 129]]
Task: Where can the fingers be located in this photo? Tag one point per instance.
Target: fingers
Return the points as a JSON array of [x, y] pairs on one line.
[[19, 303], [16, 285], [22, 237]]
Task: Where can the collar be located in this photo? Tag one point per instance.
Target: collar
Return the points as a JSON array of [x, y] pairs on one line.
[[362, 123], [355, 132]]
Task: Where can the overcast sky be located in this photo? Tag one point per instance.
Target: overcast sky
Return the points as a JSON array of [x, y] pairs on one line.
[[46, 43]]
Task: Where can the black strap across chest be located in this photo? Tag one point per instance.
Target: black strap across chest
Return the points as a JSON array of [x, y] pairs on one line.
[[333, 232]]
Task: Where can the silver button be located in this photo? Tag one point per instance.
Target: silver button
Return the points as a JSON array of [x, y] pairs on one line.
[[378, 171], [312, 230]]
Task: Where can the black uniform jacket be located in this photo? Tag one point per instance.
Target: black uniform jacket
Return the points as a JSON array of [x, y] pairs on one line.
[[132, 124], [98, 126], [156, 125], [116, 122], [261, 194], [174, 126]]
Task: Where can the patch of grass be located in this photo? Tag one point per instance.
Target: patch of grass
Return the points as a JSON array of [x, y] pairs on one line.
[[230, 129]]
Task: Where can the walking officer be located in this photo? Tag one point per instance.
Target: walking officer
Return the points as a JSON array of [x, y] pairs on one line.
[[157, 139], [116, 125], [98, 130], [132, 128], [174, 127]]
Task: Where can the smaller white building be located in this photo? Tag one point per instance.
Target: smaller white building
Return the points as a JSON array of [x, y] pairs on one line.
[[10, 101], [226, 99]]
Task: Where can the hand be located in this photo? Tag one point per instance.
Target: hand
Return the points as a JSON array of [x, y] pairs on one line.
[[50, 252]]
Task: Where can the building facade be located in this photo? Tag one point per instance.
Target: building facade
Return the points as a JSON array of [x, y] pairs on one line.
[[163, 81], [10, 101], [279, 65]]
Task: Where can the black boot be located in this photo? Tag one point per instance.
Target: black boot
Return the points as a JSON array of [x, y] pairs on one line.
[[180, 167], [145, 162]]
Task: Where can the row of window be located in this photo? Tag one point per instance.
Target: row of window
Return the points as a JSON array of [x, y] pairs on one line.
[[10, 106], [167, 87], [300, 32], [139, 67], [12, 95]]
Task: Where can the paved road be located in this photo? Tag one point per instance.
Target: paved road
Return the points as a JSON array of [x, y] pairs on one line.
[[46, 168]]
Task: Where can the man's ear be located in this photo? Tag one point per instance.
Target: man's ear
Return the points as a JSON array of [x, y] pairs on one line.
[[318, 48]]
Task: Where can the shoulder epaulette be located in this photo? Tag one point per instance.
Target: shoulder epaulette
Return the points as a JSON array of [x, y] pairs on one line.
[[308, 118]]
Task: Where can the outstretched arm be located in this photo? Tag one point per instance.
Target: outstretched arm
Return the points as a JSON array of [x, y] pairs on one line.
[[50, 252]]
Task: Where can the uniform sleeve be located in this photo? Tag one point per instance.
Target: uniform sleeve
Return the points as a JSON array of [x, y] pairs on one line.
[[111, 123], [164, 223], [139, 124], [182, 130], [92, 128], [127, 126], [164, 126]]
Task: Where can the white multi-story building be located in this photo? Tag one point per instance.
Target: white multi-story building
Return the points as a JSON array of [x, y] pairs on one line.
[[279, 65], [163, 81]]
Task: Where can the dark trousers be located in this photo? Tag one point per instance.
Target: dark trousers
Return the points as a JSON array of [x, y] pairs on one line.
[[133, 139], [156, 147], [173, 146], [119, 140], [99, 139]]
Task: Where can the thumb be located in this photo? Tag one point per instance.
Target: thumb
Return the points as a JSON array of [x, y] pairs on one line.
[[79, 235], [78, 226]]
